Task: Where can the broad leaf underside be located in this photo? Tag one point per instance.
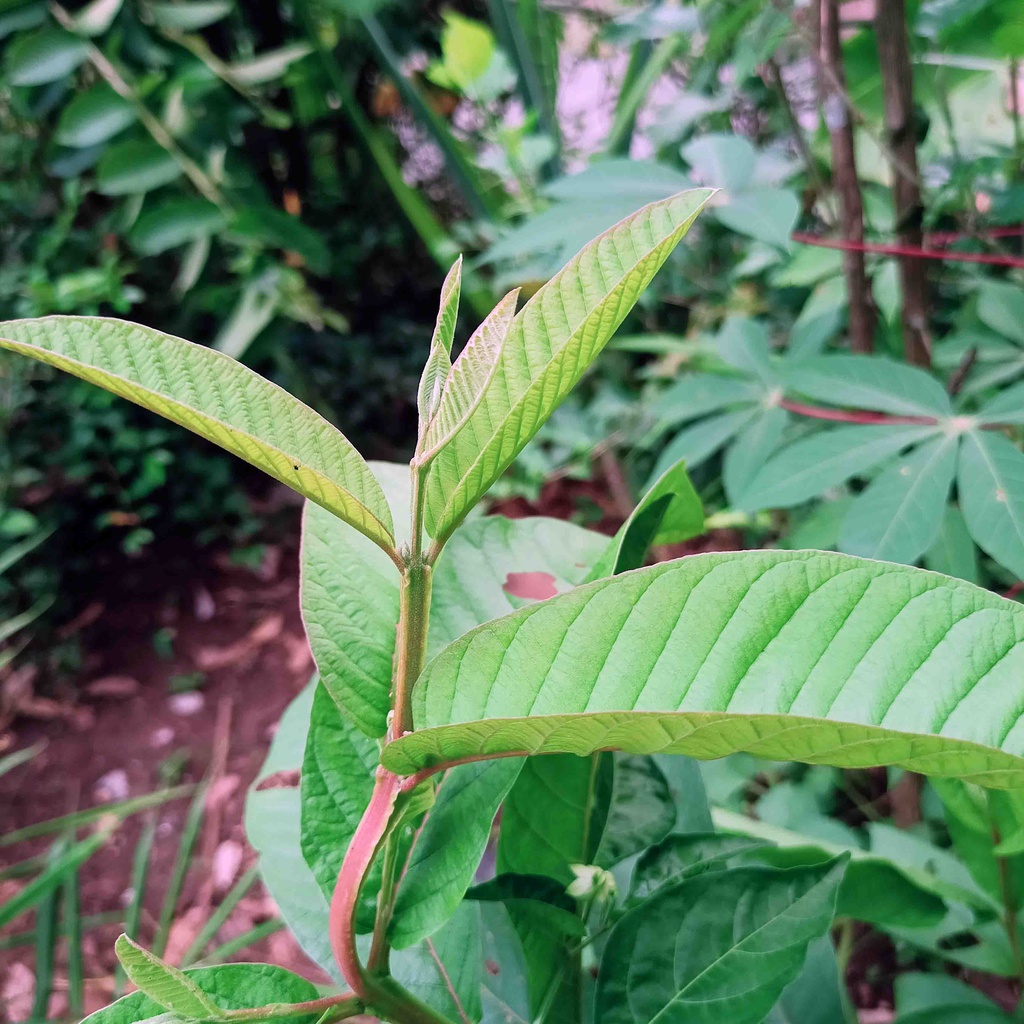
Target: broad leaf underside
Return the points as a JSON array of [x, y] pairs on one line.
[[808, 656], [217, 398]]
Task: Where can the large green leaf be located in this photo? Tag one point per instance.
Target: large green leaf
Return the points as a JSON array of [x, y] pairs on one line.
[[337, 782], [349, 599], [229, 986], [869, 382], [641, 810], [715, 949], [685, 855], [990, 481], [898, 516], [815, 464], [697, 394], [550, 344], [217, 398], [449, 847], [806, 656]]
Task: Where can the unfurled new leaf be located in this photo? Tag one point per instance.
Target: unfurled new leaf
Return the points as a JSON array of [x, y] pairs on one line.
[[806, 656], [439, 363], [219, 399], [715, 949], [165, 984], [551, 342]]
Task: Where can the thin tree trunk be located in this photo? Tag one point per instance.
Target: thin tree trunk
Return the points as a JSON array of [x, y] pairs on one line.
[[898, 86], [844, 177]]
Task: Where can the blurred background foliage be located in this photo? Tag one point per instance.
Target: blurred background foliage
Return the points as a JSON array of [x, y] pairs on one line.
[[288, 181]]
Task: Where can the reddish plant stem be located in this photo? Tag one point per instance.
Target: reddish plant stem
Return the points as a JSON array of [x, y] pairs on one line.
[[820, 412], [365, 843], [924, 253]]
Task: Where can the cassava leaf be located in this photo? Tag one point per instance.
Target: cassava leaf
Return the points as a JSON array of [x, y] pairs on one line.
[[898, 516], [751, 450], [164, 984], [449, 848], [1006, 407], [464, 385], [697, 394], [700, 441], [715, 948], [814, 464], [953, 552], [552, 341], [219, 399], [990, 481], [808, 656], [869, 382]]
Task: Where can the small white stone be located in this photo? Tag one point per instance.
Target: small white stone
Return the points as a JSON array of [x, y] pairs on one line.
[[190, 703], [161, 737], [113, 786]]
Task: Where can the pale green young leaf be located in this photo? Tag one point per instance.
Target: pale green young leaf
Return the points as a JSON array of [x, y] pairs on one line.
[[752, 449], [806, 656], [715, 949], [990, 482], [164, 984], [700, 441], [898, 516], [670, 512], [233, 986], [552, 341], [953, 553], [219, 399], [191, 15], [815, 464], [869, 382], [463, 386], [449, 847], [439, 363]]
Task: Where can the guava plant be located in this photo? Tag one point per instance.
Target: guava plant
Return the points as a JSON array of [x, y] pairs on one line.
[[454, 651]]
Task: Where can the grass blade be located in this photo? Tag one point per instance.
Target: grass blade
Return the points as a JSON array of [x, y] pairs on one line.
[[73, 932], [240, 942], [182, 862], [46, 941], [77, 819], [140, 873], [19, 757], [219, 916]]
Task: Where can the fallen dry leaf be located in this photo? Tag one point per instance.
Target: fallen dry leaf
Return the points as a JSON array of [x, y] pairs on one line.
[[227, 860], [113, 686], [221, 791], [16, 992], [211, 658]]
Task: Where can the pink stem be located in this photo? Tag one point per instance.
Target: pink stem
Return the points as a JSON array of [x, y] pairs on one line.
[[360, 854], [856, 416]]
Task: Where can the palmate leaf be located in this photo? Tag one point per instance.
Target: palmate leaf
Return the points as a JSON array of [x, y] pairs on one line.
[[552, 341], [807, 656], [219, 399], [715, 949]]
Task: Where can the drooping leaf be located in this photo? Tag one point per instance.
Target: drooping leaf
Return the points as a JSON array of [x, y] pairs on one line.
[[898, 516], [135, 167], [953, 552], [463, 387], [670, 512], [337, 782], [808, 656], [93, 117], [449, 847], [715, 948], [232, 986], [218, 399], [641, 810], [812, 465], [990, 482], [684, 855], [869, 382], [43, 56], [552, 340]]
